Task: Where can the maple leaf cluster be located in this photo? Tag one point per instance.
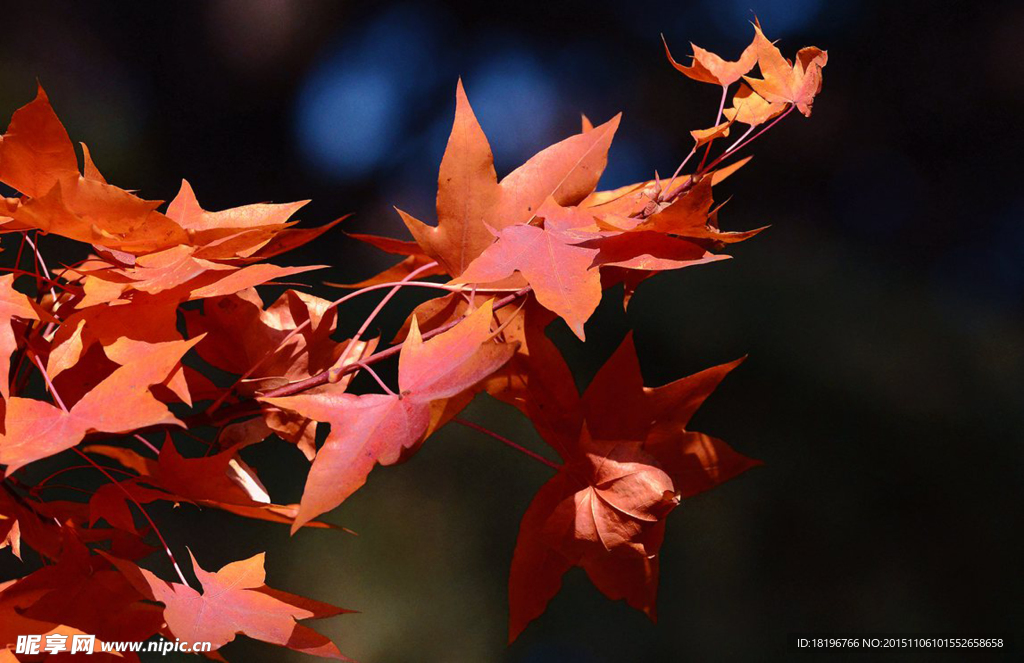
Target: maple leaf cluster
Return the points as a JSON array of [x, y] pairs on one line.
[[108, 366]]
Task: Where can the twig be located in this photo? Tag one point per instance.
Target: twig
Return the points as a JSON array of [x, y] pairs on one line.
[[148, 444], [504, 440]]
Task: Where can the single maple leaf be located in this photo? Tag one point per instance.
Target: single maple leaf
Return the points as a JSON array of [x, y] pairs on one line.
[[467, 194], [377, 428], [187, 212], [695, 461], [605, 508], [471, 201], [365, 430], [235, 600], [710, 68], [649, 252], [96, 213], [233, 234], [705, 136], [784, 81], [36, 151], [598, 512], [38, 159]]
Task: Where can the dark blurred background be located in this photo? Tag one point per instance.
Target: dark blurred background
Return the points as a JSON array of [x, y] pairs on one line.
[[882, 312]]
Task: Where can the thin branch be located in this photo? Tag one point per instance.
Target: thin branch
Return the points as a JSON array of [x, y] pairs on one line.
[[148, 444], [62, 470], [65, 486], [504, 440]]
